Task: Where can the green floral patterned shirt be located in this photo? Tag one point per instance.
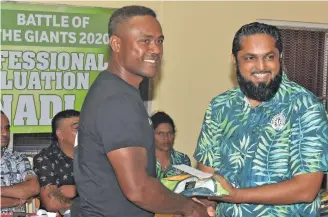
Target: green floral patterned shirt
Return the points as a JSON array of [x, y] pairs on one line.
[[279, 139], [176, 159]]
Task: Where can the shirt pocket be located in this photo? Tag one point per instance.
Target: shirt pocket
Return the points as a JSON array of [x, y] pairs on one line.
[[271, 160]]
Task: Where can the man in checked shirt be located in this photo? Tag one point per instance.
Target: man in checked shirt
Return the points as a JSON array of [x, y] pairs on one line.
[[18, 180]]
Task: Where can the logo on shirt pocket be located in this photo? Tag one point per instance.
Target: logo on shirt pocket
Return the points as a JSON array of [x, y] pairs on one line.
[[278, 121]]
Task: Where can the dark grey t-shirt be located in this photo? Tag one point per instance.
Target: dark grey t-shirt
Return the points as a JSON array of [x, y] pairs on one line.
[[113, 116]]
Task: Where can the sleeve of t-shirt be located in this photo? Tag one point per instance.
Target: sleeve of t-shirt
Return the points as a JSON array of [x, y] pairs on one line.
[[44, 169], [120, 123], [25, 168], [205, 151], [309, 145]]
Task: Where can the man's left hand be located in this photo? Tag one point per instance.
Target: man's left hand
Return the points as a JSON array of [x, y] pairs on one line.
[[233, 196]]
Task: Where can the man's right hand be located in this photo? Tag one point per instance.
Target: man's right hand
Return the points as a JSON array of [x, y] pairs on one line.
[[22, 202], [210, 205], [68, 191], [198, 209]]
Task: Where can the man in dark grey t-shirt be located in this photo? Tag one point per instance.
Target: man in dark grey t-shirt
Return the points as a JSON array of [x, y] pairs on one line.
[[114, 164]]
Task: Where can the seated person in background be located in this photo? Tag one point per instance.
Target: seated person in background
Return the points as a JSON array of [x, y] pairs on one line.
[[54, 165], [18, 180], [166, 156]]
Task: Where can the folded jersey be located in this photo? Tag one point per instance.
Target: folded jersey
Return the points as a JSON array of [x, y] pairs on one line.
[[189, 186]]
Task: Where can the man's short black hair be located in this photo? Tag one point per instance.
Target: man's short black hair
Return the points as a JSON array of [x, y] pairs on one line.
[[253, 29], [69, 113], [4, 114], [161, 118], [125, 13]]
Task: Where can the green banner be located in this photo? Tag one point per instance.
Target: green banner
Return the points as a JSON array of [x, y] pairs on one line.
[[50, 55]]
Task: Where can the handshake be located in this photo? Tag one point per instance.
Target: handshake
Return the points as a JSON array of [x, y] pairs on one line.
[[197, 185]]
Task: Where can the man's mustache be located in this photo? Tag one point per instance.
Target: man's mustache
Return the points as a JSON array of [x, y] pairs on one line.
[[261, 72]]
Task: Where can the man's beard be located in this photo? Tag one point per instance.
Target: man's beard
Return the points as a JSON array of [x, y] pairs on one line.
[[261, 92]]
